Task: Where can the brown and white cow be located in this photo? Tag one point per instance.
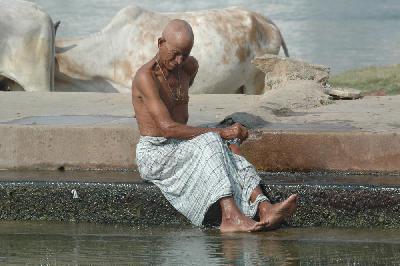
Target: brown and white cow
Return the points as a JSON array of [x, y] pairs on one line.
[[226, 40], [26, 47]]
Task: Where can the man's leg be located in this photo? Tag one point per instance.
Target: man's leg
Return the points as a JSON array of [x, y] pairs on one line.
[[271, 215], [235, 221]]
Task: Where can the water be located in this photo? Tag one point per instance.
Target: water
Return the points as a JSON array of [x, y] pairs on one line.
[[340, 33], [76, 244]]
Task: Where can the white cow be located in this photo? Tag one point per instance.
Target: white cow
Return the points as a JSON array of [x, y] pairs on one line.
[[226, 40], [26, 47]]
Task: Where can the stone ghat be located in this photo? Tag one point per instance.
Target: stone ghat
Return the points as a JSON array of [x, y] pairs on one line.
[[326, 199], [98, 131]]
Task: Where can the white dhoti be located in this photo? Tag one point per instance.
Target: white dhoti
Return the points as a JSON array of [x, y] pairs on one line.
[[194, 174]]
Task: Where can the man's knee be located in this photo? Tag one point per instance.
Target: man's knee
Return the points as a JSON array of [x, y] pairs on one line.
[[212, 139], [209, 141]]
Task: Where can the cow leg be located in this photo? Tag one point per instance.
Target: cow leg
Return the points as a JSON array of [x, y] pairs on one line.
[[3, 84], [255, 85], [7, 84], [14, 86], [241, 90]]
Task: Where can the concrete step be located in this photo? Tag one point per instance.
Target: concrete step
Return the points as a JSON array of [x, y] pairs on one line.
[[98, 131], [326, 199]]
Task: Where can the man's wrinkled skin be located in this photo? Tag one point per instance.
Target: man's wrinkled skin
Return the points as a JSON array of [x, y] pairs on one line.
[[159, 113]]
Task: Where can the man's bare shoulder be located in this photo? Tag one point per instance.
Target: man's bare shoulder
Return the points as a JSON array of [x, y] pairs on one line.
[[143, 76], [191, 66]]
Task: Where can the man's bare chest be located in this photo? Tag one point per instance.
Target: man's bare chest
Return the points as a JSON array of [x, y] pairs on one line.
[[174, 91]]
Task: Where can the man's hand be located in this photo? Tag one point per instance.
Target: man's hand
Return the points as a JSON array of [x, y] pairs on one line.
[[235, 131]]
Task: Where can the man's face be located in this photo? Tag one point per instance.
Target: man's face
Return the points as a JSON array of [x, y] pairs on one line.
[[174, 52]]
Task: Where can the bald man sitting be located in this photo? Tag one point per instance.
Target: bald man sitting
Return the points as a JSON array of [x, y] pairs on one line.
[[193, 166]]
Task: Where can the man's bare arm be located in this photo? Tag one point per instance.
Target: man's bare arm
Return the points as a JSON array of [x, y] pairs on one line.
[[160, 114], [181, 113], [191, 67]]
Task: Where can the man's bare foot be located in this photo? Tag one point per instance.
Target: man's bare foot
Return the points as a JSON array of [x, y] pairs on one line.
[[272, 215], [235, 221], [241, 223]]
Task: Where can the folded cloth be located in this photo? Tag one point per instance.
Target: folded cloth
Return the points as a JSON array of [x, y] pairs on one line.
[[193, 174]]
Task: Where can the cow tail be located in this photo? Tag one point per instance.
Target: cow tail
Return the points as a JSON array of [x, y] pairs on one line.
[[283, 43], [285, 49], [261, 20]]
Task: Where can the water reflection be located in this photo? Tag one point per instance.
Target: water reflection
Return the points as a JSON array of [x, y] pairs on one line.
[[55, 243], [254, 250]]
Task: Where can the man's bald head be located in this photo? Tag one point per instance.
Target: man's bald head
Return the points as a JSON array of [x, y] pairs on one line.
[[175, 44], [180, 31]]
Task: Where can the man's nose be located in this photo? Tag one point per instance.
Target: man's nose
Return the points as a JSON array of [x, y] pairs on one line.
[[179, 59]]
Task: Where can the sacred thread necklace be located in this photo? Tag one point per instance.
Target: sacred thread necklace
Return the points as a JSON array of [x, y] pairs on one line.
[[175, 95]]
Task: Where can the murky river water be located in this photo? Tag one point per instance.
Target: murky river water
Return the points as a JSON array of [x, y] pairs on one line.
[[76, 244], [341, 34]]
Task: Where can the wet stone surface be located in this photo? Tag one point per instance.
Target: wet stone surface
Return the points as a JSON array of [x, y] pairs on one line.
[[347, 201], [140, 204], [342, 205]]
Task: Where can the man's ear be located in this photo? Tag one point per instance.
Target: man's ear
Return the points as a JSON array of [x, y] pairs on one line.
[[161, 40]]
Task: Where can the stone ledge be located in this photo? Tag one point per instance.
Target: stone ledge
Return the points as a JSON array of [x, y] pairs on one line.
[[113, 147], [97, 131], [306, 151], [52, 147], [331, 204]]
